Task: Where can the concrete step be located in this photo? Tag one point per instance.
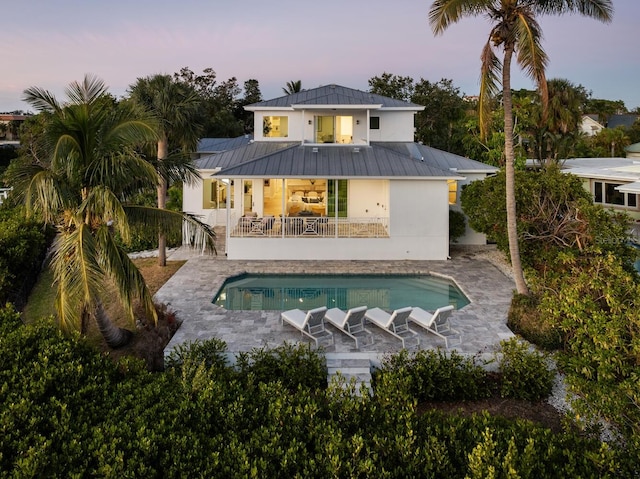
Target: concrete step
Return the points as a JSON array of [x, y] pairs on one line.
[[350, 365]]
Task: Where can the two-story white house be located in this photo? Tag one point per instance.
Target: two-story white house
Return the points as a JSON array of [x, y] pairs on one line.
[[331, 173]]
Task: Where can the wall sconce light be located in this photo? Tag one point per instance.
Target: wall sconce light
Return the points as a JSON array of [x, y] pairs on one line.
[[310, 122], [357, 122]]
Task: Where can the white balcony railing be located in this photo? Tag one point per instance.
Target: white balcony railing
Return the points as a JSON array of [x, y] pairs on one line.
[[4, 194], [308, 227]]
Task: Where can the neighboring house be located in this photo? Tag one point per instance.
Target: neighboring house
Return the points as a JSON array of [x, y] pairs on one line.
[[625, 120], [10, 125], [331, 173], [590, 125], [613, 182], [633, 151]]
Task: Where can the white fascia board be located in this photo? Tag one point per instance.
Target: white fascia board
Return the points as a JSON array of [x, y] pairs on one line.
[[405, 108], [268, 108], [629, 187], [336, 107], [478, 171]]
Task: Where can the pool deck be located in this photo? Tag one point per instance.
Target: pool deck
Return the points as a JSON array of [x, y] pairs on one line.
[[189, 293]]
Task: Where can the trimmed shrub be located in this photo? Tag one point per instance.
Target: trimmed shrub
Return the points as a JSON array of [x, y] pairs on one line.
[[434, 375], [525, 372], [457, 225], [294, 365]]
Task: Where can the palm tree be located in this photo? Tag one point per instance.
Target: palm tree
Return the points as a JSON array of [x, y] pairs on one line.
[[175, 107], [555, 137], [89, 164], [293, 86], [516, 31]]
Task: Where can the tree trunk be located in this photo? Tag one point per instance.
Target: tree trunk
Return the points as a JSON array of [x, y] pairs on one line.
[[512, 223], [163, 152], [114, 336]]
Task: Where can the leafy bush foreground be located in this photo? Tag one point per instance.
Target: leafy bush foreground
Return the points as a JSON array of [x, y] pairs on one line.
[[67, 411]]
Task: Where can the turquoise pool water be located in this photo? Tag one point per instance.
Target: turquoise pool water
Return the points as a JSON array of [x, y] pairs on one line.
[[256, 292]]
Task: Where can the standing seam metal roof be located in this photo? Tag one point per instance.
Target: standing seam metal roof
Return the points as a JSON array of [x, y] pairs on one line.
[[335, 162], [334, 95], [441, 159]]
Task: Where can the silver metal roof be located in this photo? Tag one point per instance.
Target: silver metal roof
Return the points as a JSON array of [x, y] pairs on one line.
[[241, 154], [334, 95], [438, 158], [216, 145], [352, 161]]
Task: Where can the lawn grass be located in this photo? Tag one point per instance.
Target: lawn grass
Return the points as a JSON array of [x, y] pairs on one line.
[[41, 303]]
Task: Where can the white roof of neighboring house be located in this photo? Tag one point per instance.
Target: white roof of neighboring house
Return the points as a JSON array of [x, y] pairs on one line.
[[619, 169]]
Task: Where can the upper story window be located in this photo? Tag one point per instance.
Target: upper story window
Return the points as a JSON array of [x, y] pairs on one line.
[[334, 129], [606, 194], [275, 126], [374, 123]]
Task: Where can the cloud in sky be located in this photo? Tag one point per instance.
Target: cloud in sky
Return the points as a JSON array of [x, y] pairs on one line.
[[50, 44]]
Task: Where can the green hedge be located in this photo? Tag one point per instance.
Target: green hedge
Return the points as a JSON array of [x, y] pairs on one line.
[[23, 245], [67, 411]]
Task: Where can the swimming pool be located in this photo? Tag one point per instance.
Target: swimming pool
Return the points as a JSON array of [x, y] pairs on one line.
[[274, 292]]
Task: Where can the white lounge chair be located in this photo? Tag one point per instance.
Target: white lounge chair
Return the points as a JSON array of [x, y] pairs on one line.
[[310, 323], [394, 323], [349, 322], [436, 322]]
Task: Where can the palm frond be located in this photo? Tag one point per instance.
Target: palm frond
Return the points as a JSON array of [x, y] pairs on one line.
[[87, 92], [444, 13], [127, 278], [119, 170], [41, 99], [195, 233], [601, 10], [78, 274], [531, 56], [47, 195], [177, 167], [490, 69], [102, 204]]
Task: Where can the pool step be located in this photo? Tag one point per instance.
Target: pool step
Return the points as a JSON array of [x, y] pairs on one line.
[[350, 365]]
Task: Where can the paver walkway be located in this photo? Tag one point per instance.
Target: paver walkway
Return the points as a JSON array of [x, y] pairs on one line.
[[191, 290]]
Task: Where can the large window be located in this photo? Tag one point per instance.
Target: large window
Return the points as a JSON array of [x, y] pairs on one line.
[[606, 194], [275, 126], [334, 129], [216, 193]]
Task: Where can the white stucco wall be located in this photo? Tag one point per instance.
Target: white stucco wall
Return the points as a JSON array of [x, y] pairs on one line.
[[394, 125], [368, 198]]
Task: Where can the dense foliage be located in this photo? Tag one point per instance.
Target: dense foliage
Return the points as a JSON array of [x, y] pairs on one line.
[[555, 214], [67, 411], [23, 243]]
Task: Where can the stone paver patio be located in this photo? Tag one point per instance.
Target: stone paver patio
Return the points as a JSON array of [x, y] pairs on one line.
[[190, 292]]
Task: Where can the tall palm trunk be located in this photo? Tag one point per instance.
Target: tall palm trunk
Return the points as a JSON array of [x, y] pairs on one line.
[[163, 152], [112, 334], [512, 224]]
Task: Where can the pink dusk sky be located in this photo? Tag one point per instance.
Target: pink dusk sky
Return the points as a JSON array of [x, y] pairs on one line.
[[50, 43]]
